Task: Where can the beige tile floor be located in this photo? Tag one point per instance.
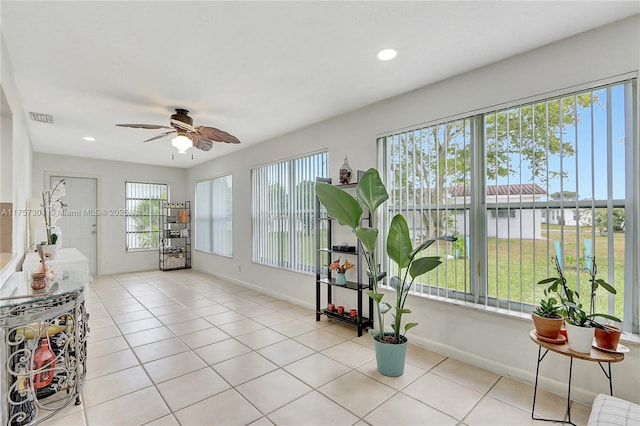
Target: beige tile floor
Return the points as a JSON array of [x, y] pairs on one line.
[[181, 347]]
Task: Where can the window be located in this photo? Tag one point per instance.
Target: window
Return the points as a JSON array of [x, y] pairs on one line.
[[428, 179], [554, 177], [283, 212], [214, 216], [501, 214], [143, 202]]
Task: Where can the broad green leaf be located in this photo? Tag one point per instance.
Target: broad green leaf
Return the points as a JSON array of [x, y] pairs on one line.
[[368, 237], [410, 325], [423, 265], [371, 191], [339, 204], [399, 241], [607, 316], [547, 280], [377, 297], [402, 310], [606, 286], [421, 247]]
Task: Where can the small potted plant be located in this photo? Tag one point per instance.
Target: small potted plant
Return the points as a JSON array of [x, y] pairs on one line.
[[580, 325], [341, 278], [547, 318]]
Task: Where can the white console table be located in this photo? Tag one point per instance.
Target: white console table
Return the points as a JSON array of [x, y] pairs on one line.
[[68, 259]]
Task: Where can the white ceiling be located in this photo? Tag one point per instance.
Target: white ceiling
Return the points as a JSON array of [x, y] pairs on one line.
[[254, 69]]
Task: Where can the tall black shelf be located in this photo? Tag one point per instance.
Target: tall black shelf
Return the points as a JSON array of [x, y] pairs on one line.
[[324, 278], [175, 246]]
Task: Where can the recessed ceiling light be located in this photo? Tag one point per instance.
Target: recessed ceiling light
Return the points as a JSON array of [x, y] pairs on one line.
[[387, 54], [89, 139]]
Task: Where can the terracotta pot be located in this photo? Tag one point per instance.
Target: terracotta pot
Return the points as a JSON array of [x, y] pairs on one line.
[[547, 327], [608, 338]]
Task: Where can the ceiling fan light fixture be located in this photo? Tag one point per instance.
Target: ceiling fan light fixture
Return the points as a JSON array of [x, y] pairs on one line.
[[181, 143]]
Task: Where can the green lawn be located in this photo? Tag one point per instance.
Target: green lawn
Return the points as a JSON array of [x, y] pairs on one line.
[[515, 266]]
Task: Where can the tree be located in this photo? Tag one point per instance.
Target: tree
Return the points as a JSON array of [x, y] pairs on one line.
[[145, 221], [602, 220], [564, 195], [432, 161]]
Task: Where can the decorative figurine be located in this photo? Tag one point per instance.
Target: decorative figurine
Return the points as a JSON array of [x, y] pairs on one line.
[[345, 172]]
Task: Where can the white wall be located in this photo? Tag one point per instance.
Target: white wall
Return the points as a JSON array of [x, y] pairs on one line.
[[494, 341], [21, 153], [111, 176]]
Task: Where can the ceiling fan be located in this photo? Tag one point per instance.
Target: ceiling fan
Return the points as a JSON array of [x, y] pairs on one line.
[[200, 137]]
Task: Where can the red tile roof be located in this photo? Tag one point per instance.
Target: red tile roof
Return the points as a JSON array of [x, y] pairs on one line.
[[514, 189]]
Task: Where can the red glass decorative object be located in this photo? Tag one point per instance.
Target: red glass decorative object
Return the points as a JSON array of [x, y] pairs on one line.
[[353, 313], [43, 360], [331, 307], [340, 310]]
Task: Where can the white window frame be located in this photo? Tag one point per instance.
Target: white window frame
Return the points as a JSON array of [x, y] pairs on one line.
[[142, 195], [479, 212]]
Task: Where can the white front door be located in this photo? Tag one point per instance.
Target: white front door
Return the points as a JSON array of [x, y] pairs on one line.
[[79, 227]]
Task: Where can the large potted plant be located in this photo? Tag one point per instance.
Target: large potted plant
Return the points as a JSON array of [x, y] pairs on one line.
[[580, 324], [390, 345]]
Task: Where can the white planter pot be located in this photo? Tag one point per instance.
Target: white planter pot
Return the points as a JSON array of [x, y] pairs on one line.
[[580, 338], [50, 249]]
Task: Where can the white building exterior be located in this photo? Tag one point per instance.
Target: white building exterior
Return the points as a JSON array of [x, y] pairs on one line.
[[504, 221]]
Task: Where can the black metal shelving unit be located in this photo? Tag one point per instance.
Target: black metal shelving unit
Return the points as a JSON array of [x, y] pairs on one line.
[[175, 247], [324, 279]]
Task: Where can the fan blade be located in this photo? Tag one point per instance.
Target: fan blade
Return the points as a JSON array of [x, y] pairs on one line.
[[216, 135], [143, 126], [160, 136], [200, 142], [180, 125]]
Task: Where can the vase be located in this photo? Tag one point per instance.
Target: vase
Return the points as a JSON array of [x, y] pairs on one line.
[[341, 279], [44, 364], [390, 357], [580, 339]]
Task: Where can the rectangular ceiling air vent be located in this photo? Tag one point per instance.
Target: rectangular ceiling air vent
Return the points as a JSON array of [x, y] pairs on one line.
[[41, 118]]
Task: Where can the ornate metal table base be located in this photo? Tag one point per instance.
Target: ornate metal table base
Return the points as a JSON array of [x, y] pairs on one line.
[[44, 344]]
